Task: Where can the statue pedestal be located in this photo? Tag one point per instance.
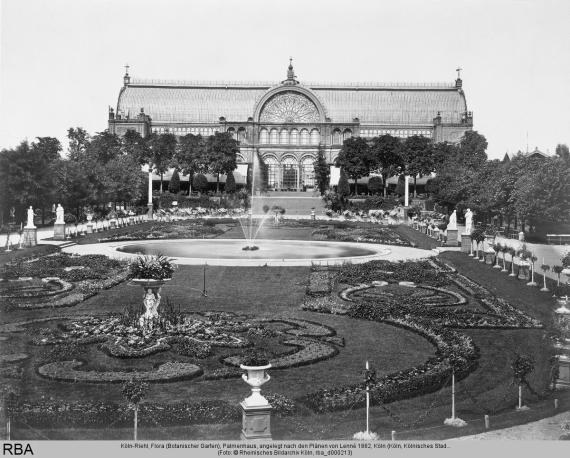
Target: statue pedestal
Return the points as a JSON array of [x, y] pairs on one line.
[[29, 237], [465, 243], [59, 231], [149, 213], [90, 228], [452, 237], [256, 422]]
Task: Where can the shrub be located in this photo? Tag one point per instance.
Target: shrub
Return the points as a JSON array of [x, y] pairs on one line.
[[174, 185], [200, 183], [375, 185], [230, 183], [343, 188]]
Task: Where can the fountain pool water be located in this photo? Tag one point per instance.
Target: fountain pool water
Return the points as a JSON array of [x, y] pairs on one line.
[[229, 252]]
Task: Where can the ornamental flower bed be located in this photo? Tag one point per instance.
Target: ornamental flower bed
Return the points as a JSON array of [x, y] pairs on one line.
[[383, 235], [428, 310], [162, 230]]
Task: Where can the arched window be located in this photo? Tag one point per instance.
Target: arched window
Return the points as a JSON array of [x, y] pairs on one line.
[[241, 134], [231, 131], [315, 137], [294, 139], [308, 172], [274, 137], [240, 159], [263, 136], [284, 137], [272, 172], [347, 134], [336, 137], [304, 137]]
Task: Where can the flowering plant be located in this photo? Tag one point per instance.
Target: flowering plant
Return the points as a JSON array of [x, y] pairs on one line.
[[156, 267]]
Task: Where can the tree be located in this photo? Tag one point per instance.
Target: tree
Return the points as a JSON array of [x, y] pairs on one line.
[[230, 187], [322, 170], [78, 143], [472, 149], [123, 180], [200, 182], [191, 156], [134, 392], [221, 152], [543, 194], [387, 151], [418, 158], [161, 149], [343, 187], [73, 188], [135, 146], [355, 159], [174, 185], [375, 185], [563, 152], [103, 147]]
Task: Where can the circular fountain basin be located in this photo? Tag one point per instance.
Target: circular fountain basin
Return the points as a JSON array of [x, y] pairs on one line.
[[229, 252]]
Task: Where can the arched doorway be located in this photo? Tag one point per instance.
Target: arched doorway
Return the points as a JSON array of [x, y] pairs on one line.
[[290, 170], [307, 172]]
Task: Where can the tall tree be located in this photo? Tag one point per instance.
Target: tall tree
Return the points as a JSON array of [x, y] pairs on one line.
[[221, 152], [230, 186], [191, 156], [123, 180], [473, 148], [356, 159], [387, 151], [322, 170], [78, 142], [343, 188], [161, 149], [103, 147], [418, 157]]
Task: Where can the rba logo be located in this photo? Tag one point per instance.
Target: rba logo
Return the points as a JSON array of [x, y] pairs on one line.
[[16, 449]]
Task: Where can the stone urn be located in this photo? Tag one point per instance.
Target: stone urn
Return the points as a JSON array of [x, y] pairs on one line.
[[151, 298], [255, 377], [524, 270]]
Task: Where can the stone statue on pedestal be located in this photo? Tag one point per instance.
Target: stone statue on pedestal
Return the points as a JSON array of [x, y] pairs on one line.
[[59, 215], [468, 222], [452, 225], [30, 224]]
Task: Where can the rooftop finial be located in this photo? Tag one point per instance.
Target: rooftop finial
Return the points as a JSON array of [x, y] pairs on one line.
[[126, 78], [290, 74], [458, 81]]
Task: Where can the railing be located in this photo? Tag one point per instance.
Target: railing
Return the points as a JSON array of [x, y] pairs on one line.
[[312, 84], [558, 239]]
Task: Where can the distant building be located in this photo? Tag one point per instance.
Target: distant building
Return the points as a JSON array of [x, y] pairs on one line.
[[286, 122], [535, 154]]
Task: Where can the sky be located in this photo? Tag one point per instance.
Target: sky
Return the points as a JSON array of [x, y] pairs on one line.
[[62, 61]]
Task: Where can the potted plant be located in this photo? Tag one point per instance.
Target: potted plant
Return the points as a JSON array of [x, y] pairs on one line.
[[557, 270], [496, 248], [512, 252], [532, 259], [524, 265], [545, 268], [112, 217], [478, 236], [255, 364], [504, 249], [151, 272]]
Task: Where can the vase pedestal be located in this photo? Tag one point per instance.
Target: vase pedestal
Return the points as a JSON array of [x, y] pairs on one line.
[[563, 380], [256, 422], [465, 243], [452, 239], [59, 231], [29, 237]]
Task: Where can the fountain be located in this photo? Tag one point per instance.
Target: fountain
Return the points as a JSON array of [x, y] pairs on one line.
[[246, 222]]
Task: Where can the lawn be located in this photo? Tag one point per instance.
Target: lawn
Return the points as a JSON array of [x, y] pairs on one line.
[[277, 293]]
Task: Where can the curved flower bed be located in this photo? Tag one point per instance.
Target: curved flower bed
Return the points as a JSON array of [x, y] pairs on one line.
[[66, 371], [27, 288], [311, 352]]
